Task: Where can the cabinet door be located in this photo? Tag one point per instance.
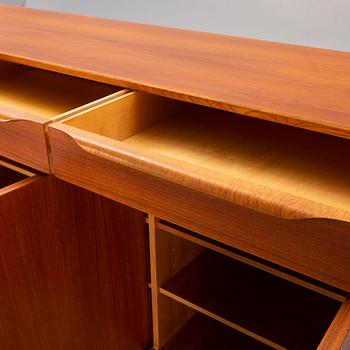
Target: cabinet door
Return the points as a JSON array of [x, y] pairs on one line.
[[73, 269]]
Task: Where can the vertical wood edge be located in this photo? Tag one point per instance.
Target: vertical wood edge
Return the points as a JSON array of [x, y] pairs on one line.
[[154, 280], [336, 335]]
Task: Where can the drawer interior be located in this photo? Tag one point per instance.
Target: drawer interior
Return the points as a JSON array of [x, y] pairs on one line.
[[228, 148], [46, 94], [274, 309]]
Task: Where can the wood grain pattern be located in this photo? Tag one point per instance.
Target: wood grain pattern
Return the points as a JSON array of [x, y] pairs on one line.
[[272, 310], [73, 270], [336, 335], [301, 86], [252, 163], [318, 248], [125, 115]]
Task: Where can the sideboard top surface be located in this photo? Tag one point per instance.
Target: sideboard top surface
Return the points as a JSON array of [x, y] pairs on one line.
[[300, 86]]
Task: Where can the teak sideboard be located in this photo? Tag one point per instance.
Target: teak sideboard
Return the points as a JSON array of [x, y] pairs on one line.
[[170, 189]]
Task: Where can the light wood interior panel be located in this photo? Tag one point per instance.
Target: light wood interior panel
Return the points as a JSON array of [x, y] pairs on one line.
[[306, 87], [126, 115], [49, 94]]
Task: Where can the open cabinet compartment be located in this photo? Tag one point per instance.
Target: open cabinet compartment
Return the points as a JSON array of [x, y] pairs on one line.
[[280, 170], [203, 333], [31, 98], [12, 174], [267, 304]]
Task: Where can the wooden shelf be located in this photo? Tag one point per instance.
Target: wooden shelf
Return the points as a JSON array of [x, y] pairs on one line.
[[48, 94], [203, 333], [253, 301]]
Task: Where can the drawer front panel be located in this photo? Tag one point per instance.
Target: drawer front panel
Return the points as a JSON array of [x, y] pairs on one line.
[[24, 142]]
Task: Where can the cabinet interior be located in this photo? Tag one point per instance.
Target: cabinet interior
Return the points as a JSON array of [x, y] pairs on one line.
[[44, 93], [204, 333], [10, 174], [197, 279]]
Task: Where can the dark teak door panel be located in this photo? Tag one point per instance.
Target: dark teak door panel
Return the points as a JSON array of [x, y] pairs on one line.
[[73, 270]]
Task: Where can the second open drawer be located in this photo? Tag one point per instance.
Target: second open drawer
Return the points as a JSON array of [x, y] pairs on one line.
[[237, 179], [30, 99]]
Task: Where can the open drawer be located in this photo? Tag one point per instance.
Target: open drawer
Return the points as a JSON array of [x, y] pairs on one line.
[[207, 289], [30, 99], [250, 175]]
